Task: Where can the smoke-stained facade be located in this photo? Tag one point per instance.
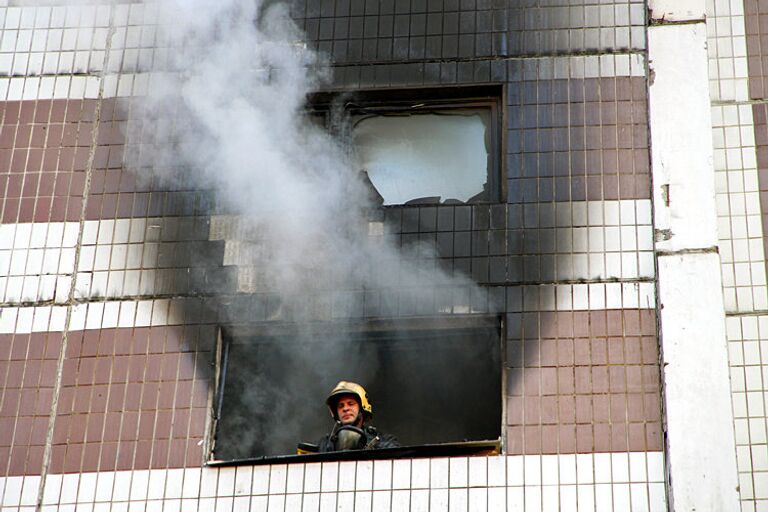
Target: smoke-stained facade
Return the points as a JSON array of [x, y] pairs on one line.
[[123, 279]]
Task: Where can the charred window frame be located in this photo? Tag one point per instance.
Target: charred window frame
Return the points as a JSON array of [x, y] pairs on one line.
[[340, 111], [276, 374]]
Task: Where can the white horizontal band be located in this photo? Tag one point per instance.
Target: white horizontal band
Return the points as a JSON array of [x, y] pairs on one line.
[[601, 481]]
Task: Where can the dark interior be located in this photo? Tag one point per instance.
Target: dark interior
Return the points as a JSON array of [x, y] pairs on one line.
[[427, 385]]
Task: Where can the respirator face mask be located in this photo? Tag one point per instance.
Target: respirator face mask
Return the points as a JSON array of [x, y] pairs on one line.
[[349, 438]]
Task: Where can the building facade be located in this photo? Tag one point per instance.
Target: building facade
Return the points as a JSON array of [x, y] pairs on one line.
[[622, 255]]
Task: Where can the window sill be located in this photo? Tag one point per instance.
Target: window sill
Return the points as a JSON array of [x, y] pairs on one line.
[[403, 452]]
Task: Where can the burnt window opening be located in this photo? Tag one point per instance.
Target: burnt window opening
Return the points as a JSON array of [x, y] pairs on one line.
[[435, 384], [426, 146]]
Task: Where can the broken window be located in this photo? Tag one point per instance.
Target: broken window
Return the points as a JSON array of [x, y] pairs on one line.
[[422, 147], [274, 382]]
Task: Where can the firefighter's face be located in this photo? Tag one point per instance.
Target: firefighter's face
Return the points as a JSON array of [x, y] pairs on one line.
[[347, 409]]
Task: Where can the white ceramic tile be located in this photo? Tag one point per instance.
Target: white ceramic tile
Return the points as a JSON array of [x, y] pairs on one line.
[[567, 469], [515, 499], [585, 497], [401, 500], [139, 485], [549, 469], [515, 470], [69, 486], [347, 474], [380, 501], [420, 473], [295, 479], [243, 480], [277, 478], [497, 471], [86, 491], [534, 499], [568, 498], [603, 497], [438, 473], [224, 504], [312, 473], [478, 471], [191, 483], [621, 497], [311, 502], [346, 501], [364, 475], [457, 500], [620, 467], [532, 469], [457, 472], [209, 482], [382, 475], [420, 501], [330, 476], [121, 487], [401, 474], [52, 488]]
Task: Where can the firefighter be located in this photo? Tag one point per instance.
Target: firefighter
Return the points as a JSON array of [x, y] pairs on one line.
[[350, 408]]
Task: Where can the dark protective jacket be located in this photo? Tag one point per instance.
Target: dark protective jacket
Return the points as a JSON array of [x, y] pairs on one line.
[[373, 440]]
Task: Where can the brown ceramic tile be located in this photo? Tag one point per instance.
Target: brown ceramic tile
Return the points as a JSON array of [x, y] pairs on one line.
[[548, 353], [635, 407], [617, 379], [515, 442], [565, 352], [601, 408], [197, 420], [108, 456], [548, 381], [548, 410], [125, 455], [532, 440], [619, 441], [183, 398], [582, 351], [600, 379], [566, 381], [566, 409], [602, 437], [585, 439], [181, 422], [584, 409], [549, 439], [637, 437], [143, 454]]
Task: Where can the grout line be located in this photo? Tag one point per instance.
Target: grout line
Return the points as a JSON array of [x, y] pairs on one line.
[[71, 303]]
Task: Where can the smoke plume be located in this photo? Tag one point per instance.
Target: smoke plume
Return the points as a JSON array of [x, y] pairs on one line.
[[226, 111]]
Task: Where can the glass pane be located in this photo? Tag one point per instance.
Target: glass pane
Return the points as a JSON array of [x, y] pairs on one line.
[[429, 158]]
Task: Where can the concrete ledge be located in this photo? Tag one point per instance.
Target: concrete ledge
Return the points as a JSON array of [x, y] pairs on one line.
[[701, 446], [681, 138], [671, 11]]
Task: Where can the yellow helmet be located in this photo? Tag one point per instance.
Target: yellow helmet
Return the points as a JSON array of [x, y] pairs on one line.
[[349, 388]]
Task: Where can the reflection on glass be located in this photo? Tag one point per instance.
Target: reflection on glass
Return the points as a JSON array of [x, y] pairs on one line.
[[424, 158]]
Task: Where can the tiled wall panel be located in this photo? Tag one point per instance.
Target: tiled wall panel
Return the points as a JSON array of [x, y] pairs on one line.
[[567, 258], [737, 34], [393, 30], [624, 481], [132, 399], [27, 379], [583, 382]]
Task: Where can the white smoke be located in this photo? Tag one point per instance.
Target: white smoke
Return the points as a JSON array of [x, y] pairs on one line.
[[226, 111], [235, 86]]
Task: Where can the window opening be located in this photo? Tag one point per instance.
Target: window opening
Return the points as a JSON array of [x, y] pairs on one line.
[[430, 146], [426, 158], [275, 382]]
